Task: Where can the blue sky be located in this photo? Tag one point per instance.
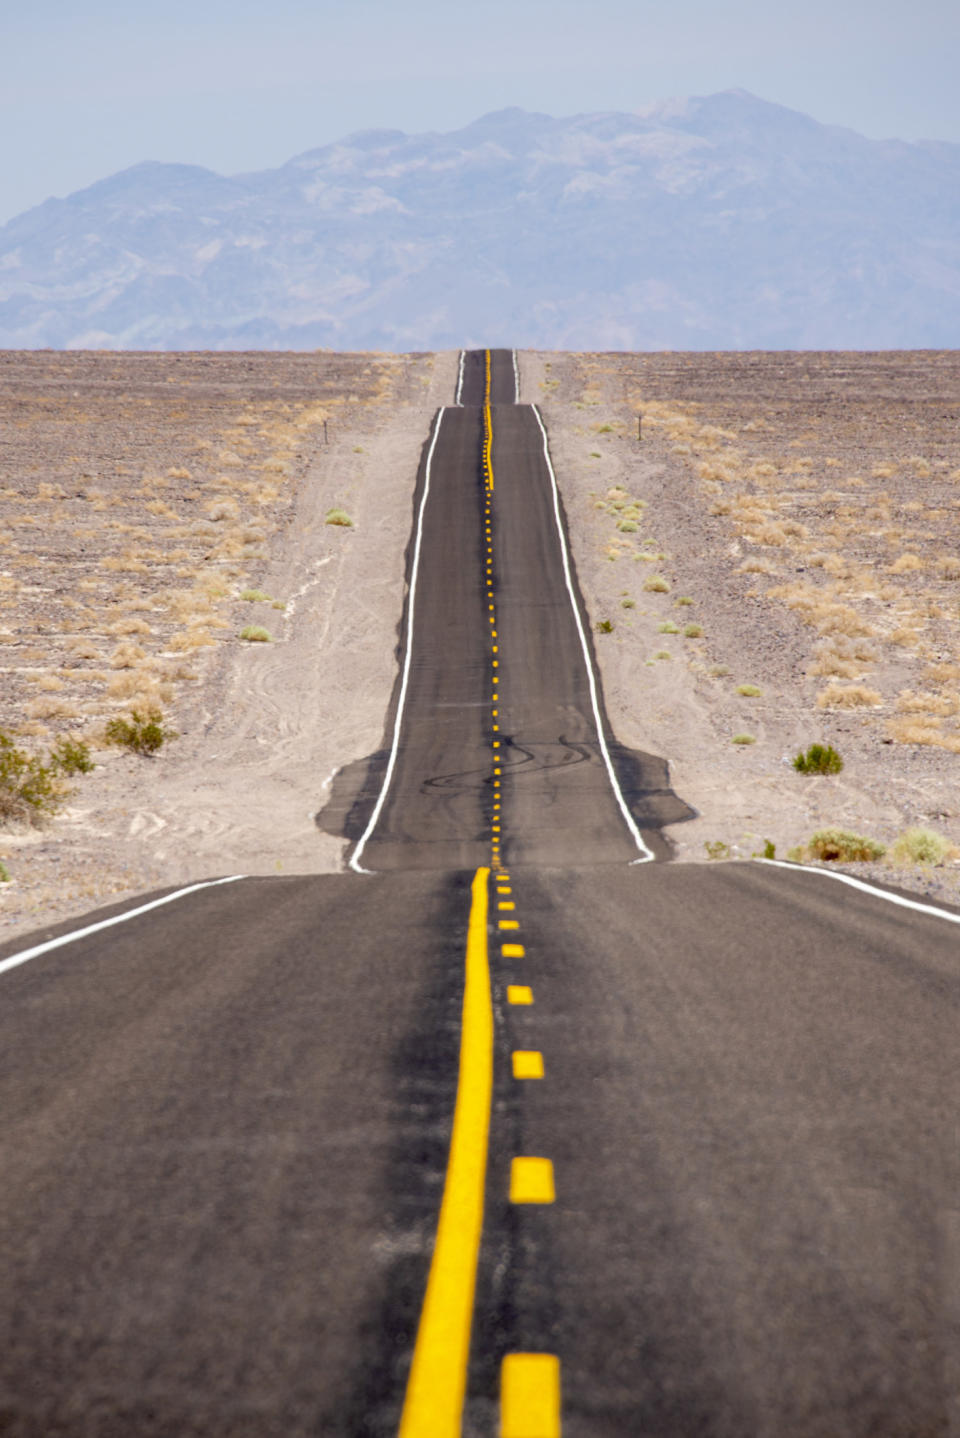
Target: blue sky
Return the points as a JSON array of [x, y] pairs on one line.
[[92, 87]]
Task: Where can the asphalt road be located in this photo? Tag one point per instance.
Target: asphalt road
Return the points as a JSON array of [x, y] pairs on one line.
[[225, 1123]]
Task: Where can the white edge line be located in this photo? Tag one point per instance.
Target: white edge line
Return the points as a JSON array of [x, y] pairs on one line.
[[38, 949], [516, 379], [458, 397], [646, 853], [867, 889], [353, 862]]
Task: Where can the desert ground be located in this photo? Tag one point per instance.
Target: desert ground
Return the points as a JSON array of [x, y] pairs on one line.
[[775, 562], [799, 515]]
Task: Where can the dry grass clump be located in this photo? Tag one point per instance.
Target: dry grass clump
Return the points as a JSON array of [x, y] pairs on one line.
[[922, 846], [848, 696], [907, 564], [841, 657], [911, 701], [838, 846], [923, 730]]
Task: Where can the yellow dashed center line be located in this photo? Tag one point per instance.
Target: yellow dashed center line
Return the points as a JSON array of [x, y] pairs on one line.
[[531, 1181], [527, 1064], [530, 1396]]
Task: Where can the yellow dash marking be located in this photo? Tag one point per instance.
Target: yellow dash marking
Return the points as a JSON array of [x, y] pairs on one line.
[[504, 890], [530, 1396], [531, 1181], [494, 828], [508, 924], [494, 635], [495, 649], [506, 903], [512, 951], [434, 1399], [527, 1064], [519, 994]]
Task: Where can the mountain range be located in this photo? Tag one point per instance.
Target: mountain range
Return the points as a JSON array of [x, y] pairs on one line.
[[720, 222]]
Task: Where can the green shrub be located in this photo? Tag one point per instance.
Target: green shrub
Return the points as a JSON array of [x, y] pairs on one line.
[[769, 851], [684, 599], [141, 733], [338, 516], [255, 596], [716, 849], [743, 739], [628, 526], [656, 584], [4, 873], [749, 691], [604, 626], [71, 756], [921, 846], [668, 627], [30, 789], [663, 654], [255, 634], [819, 759], [837, 846], [628, 603], [693, 631]]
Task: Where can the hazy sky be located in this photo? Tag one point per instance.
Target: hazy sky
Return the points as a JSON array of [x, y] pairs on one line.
[[91, 86]]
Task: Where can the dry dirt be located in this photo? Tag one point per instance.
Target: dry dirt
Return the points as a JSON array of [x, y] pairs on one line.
[[808, 508], [140, 496], [807, 505]]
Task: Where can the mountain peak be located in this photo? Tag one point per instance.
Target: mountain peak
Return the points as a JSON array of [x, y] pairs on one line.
[[720, 221]]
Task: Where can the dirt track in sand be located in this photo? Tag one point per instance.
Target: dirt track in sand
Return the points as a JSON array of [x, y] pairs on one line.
[[808, 505]]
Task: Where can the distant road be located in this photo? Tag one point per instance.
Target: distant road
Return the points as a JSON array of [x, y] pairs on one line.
[[226, 1121]]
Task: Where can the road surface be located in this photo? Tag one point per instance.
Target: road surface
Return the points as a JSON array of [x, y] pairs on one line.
[[226, 1121]]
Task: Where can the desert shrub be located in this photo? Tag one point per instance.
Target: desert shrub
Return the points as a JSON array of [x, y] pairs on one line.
[[4, 873], [255, 596], [837, 846], [338, 516], [663, 654], [71, 756], [656, 584], [143, 733], [921, 846], [749, 691], [906, 564], [819, 759], [847, 696], [604, 626], [628, 526], [684, 600], [743, 739], [668, 627], [30, 788], [255, 634], [693, 631], [628, 603], [716, 849]]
